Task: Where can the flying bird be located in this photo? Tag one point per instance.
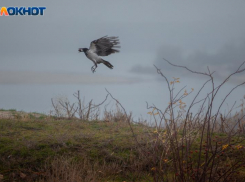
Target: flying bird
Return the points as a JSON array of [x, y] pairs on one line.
[[103, 46]]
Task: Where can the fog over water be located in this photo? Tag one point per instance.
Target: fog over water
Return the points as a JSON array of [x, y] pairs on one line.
[[40, 61]]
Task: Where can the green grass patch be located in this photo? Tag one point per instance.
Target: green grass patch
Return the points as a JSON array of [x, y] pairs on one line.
[[30, 143]]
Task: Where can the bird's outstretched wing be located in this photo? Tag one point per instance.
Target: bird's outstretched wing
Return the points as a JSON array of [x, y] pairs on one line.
[[105, 46]]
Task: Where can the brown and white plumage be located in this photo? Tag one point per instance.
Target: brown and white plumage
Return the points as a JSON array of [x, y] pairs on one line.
[[103, 46]]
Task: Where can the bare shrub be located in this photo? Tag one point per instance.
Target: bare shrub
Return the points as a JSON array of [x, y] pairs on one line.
[[63, 108], [197, 147]]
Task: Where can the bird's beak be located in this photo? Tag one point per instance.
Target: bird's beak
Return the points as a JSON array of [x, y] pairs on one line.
[[80, 50]]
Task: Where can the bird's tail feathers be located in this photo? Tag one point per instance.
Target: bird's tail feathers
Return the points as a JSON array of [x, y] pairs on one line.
[[109, 65]]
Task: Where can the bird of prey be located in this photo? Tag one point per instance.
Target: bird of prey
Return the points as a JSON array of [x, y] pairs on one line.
[[103, 46]]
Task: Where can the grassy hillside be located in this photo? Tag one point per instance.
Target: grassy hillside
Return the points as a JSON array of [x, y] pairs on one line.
[[47, 149], [70, 150]]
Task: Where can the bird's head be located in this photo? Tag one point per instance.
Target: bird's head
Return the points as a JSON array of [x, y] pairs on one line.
[[80, 50]]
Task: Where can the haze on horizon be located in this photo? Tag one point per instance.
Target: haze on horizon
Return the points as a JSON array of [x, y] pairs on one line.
[[40, 61]]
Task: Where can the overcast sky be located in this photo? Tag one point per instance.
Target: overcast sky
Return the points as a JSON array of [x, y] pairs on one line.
[[40, 59]]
